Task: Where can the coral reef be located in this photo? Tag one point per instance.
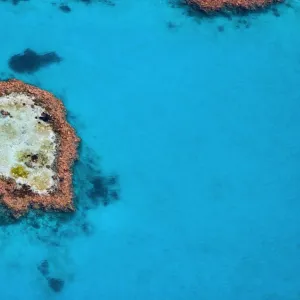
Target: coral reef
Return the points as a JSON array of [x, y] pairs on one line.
[[37, 150], [210, 6]]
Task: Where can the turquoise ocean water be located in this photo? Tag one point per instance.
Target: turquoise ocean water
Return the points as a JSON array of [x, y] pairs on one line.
[[194, 123]]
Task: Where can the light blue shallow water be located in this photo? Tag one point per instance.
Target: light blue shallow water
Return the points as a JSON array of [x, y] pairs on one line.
[[202, 128]]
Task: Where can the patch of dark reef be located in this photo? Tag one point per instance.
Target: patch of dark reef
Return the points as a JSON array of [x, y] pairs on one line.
[[243, 23], [14, 2], [30, 62], [100, 189], [221, 28], [106, 2], [275, 12], [92, 186], [56, 284], [43, 267], [172, 25], [65, 8]]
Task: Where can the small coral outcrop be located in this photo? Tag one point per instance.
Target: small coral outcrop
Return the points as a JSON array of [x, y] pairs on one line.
[[37, 150]]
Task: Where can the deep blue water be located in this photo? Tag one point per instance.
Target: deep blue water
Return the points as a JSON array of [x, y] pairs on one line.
[[199, 127]]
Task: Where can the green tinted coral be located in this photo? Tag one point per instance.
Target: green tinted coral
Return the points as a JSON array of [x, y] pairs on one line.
[[19, 171]]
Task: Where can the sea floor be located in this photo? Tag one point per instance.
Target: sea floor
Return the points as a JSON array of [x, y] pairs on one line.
[[188, 182]]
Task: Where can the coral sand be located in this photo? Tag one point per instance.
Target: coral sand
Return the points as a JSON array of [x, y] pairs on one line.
[[218, 5], [37, 150]]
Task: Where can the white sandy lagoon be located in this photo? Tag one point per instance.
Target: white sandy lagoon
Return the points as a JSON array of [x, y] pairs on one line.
[[27, 144]]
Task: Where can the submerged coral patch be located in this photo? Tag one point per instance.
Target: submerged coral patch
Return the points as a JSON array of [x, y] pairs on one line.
[[65, 8], [56, 284], [15, 2], [44, 268], [30, 62]]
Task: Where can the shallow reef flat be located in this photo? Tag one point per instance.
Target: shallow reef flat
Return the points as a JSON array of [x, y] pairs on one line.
[[37, 150]]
